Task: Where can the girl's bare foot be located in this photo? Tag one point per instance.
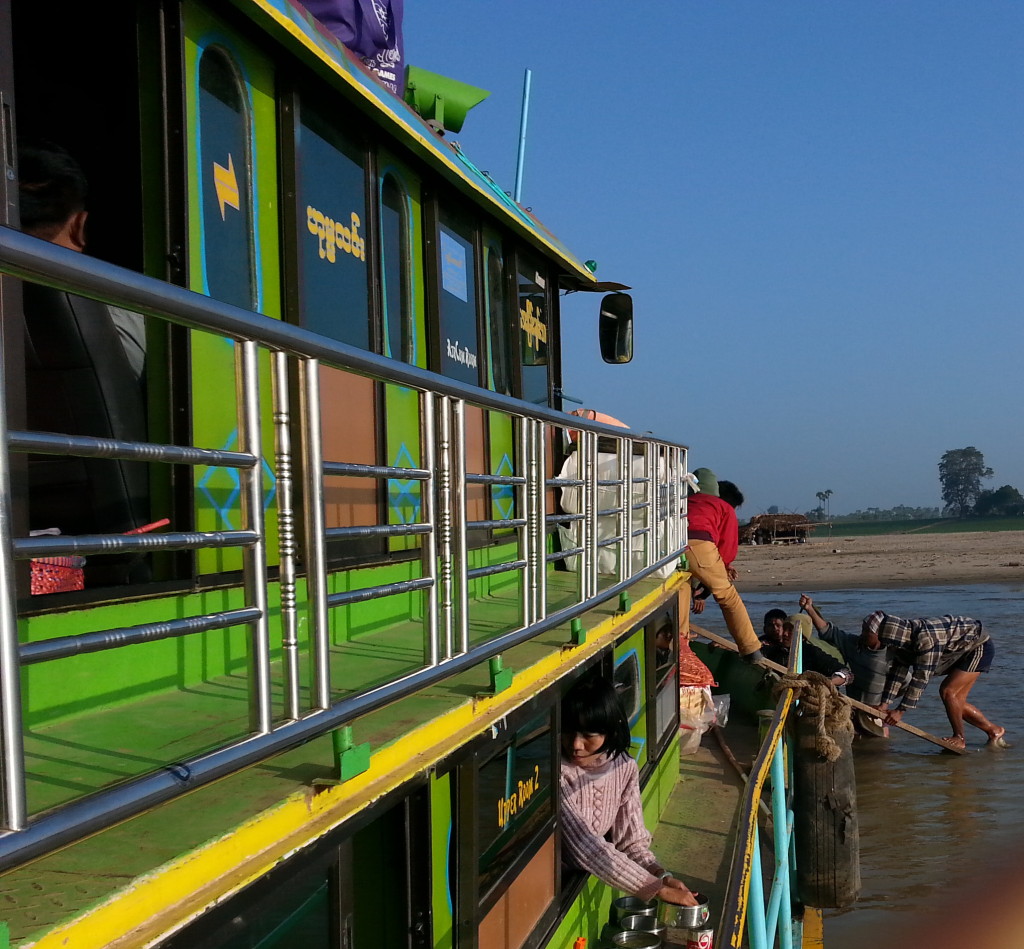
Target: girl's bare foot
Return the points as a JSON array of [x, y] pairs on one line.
[[997, 738]]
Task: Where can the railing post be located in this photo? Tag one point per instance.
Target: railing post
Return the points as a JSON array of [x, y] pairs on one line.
[[625, 501], [286, 533], [461, 516], [589, 560], [15, 811], [428, 410], [783, 833], [685, 535], [444, 520], [651, 508], [676, 500], [316, 545], [254, 557], [755, 899], [540, 603], [526, 504]]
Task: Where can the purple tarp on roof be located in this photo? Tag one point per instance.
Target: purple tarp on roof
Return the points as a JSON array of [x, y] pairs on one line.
[[372, 29]]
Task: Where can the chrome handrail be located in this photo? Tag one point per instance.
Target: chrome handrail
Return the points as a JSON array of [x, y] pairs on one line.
[[445, 572]]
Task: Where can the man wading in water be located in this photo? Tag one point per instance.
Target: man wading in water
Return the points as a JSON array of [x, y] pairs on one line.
[[954, 646]]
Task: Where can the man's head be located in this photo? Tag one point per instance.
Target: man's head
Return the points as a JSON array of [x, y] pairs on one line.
[[51, 194], [729, 493], [707, 483], [775, 622], [869, 628], [664, 634]]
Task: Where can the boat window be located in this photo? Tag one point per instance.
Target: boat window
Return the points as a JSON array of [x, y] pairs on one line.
[[630, 679], [665, 632], [229, 271], [517, 875], [331, 208], [499, 347], [457, 270], [533, 326], [627, 685], [515, 798], [395, 241]]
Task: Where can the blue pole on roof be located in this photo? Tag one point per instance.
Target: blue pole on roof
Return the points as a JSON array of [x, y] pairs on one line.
[[522, 137]]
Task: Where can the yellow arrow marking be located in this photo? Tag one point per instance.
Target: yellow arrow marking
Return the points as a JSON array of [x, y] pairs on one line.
[[226, 185]]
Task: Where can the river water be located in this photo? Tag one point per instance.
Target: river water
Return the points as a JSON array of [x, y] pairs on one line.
[[931, 823]]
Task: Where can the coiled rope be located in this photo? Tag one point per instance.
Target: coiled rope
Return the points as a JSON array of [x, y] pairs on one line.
[[819, 697]]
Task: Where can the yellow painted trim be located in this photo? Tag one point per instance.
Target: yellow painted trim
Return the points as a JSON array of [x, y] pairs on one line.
[[293, 30], [813, 929], [154, 906]]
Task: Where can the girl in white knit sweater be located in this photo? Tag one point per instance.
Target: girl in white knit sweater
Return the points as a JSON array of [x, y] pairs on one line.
[[599, 789]]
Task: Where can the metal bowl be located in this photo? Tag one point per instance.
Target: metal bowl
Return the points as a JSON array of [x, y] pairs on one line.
[[684, 917], [644, 924], [634, 939], [633, 906]]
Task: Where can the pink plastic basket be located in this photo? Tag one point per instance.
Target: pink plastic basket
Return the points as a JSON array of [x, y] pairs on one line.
[[57, 574]]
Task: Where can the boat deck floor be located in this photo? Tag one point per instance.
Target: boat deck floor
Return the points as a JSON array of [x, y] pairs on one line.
[[696, 835], [71, 758], [96, 749]]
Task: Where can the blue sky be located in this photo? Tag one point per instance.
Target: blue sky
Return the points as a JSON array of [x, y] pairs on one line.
[[819, 205]]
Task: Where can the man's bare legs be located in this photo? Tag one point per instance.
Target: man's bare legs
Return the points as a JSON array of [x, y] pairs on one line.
[[953, 692]]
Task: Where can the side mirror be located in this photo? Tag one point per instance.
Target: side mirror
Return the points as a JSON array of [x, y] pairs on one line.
[[615, 328]]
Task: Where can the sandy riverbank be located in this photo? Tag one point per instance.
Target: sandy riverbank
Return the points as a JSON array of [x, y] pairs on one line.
[[889, 560]]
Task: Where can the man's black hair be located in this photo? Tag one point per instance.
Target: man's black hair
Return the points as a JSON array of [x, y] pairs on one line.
[[729, 493], [592, 707], [773, 615], [51, 187]]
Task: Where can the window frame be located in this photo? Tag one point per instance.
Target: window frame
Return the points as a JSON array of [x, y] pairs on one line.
[[470, 906]]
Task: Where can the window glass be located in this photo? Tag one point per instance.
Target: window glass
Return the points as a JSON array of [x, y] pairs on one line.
[[533, 333], [399, 339], [515, 798], [498, 343], [630, 680], [666, 676], [228, 252], [331, 205], [457, 268]]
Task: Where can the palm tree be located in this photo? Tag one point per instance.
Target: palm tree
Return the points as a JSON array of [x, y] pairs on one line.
[[823, 497]]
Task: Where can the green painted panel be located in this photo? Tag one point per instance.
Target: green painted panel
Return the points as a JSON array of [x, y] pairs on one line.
[[441, 836], [586, 917], [501, 448], [402, 408], [61, 688], [659, 785], [356, 620], [254, 172], [58, 689]]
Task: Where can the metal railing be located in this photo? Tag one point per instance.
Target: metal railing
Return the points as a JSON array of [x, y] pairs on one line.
[[646, 510], [775, 919]]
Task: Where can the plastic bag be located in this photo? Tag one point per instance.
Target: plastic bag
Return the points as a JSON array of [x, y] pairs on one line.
[[721, 710], [696, 715]]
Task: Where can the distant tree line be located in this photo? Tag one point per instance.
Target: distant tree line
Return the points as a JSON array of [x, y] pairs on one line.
[[961, 472], [901, 512]]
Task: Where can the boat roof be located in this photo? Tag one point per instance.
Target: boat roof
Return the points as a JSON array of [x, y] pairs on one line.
[[300, 31]]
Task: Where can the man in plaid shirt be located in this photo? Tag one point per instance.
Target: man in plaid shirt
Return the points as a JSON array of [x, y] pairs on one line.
[[954, 646]]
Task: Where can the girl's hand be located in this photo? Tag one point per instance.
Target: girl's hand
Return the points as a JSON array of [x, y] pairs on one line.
[[675, 891]]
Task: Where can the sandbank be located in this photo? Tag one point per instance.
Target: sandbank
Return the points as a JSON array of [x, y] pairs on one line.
[[843, 562]]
